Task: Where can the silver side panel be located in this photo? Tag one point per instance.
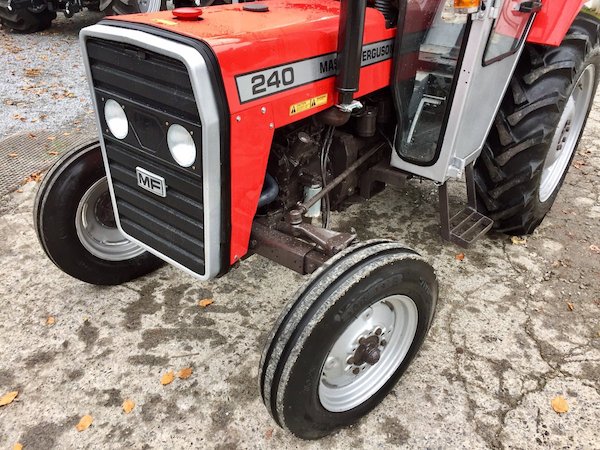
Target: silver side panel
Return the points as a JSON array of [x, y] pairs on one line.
[[478, 95], [211, 140]]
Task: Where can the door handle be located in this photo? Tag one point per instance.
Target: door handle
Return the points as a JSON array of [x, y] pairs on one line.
[[530, 6]]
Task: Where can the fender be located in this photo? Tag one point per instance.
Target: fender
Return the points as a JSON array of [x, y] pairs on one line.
[[551, 24]]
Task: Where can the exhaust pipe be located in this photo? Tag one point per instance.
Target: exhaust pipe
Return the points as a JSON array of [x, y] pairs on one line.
[[350, 38]]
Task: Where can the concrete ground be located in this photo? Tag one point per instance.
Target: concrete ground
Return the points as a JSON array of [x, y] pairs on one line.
[[517, 325]]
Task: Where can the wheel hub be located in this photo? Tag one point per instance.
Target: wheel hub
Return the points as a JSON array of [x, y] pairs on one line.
[[367, 353], [567, 133], [97, 228]]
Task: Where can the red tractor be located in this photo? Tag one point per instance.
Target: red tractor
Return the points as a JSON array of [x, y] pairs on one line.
[[237, 129]]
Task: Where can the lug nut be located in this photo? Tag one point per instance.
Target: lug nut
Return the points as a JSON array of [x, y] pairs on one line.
[[378, 331], [350, 360], [355, 371], [383, 342]]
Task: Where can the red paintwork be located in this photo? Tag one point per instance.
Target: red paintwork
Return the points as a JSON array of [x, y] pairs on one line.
[[552, 23], [187, 13], [245, 41], [292, 30]]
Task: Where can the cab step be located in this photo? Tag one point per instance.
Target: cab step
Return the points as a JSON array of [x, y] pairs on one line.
[[469, 224]]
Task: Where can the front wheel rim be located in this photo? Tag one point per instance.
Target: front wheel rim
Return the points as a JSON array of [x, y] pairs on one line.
[[368, 353], [567, 133], [96, 229]]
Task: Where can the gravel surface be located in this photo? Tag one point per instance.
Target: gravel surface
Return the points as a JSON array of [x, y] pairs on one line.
[[517, 323], [42, 79]]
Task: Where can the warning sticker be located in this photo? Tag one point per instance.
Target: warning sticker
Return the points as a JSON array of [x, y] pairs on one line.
[[314, 102]]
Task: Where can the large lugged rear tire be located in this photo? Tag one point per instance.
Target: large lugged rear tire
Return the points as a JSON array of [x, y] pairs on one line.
[[538, 128], [74, 221], [23, 20], [347, 337], [120, 7]]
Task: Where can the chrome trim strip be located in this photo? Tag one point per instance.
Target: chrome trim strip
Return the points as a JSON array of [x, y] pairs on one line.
[[211, 139]]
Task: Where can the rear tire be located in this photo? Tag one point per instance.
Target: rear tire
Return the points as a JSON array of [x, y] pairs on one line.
[[121, 7], [347, 337], [536, 132], [25, 21], [74, 221]]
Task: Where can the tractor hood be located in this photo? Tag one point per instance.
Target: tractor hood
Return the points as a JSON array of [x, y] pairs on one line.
[[292, 32]]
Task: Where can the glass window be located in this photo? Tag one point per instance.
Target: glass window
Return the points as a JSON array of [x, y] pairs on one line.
[[432, 38], [508, 31]]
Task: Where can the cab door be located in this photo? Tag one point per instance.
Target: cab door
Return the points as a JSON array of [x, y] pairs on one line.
[[450, 76]]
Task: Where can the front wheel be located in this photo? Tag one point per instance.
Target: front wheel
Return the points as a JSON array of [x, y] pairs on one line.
[[347, 337], [75, 222]]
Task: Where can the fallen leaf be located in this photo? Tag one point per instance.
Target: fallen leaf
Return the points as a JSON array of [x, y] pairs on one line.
[[460, 256], [571, 306], [20, 191], [205, 302], [31, 135], [18, 446], [128, 406], [53, 153], [51, 138], [8, 398], [50, 321], [269, 433], [559, 404], [84, 423], [593, 247], [167, 378], [516, 240], [33, 73], [184, 374], [13, 155]]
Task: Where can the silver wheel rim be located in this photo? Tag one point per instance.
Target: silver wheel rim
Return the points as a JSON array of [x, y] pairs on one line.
[[149, 5], [567, 133], [97, 232], [389, 327]]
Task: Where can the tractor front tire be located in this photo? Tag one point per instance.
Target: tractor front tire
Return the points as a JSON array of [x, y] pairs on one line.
[[75, 223], [538, 127], [25, 21], [347, 337]]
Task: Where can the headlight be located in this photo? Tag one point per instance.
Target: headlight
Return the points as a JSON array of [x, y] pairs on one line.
[[181, 145], [116, 119]]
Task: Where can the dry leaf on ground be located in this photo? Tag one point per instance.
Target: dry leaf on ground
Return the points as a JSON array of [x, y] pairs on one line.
[[8, 398], [184, 374], [18, 446], [593, 247], [51, 138], [128, 406], [460, 256], [167, 378], [571, 306], [559, 404], [269, 433], [205, 302], [84, 423], [13, 155], [516, 240], [50, 321]]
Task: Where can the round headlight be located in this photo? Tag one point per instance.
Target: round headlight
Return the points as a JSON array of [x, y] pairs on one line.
[[116, 119], [181, 145]]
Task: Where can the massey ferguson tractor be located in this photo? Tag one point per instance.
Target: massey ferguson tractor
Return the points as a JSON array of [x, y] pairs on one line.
[[236, 130]]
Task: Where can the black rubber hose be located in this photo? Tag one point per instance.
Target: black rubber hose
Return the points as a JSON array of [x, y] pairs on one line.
[[270, 191]]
